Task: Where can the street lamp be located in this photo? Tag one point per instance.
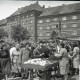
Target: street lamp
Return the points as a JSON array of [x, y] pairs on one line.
[[60, 35]]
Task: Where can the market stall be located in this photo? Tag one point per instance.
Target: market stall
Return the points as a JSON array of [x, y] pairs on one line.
[[40, 64]]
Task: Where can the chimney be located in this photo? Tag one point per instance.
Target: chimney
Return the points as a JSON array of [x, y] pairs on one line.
[[63, 4], [43, 6], [37, 2]]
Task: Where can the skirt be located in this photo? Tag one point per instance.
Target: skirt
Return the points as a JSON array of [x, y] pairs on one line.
[[5, 65], [76, 63]]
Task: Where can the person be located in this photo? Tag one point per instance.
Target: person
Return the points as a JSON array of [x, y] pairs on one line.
[[41, 50], [5, 60], [24, 56], [63, 62], [15, 60], [75, 57], [12, 50]]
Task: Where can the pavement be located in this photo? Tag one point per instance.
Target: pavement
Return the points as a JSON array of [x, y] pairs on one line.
[[75, 77]]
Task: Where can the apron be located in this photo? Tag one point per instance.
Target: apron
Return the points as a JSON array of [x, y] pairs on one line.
[[76, 58], [15, 61], [64, 63]]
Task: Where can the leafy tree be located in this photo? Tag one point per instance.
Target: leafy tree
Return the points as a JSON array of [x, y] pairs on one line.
[[19, 33], [3, 33]]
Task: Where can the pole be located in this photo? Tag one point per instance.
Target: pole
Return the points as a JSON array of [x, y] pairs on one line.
[[60, 28]]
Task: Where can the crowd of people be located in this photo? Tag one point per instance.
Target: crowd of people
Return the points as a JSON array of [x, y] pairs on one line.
[[12, 56]]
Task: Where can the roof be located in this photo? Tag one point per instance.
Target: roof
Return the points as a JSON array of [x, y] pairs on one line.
[[3, 21], [34, 6], [49, 11], [61, 9]]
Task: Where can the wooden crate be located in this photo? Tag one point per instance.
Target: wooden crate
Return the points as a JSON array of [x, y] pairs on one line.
[[79, 72], [16, 78]]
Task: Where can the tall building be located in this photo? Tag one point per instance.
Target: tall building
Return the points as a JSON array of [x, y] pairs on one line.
[[41, 21]]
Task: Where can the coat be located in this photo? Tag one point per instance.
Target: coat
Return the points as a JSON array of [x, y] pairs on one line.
[[24, 55], [5, 61]]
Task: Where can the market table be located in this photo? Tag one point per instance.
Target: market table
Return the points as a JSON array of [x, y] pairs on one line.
[[46, 72]]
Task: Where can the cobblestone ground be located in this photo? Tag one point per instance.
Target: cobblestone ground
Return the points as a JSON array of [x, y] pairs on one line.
[[75, 77]]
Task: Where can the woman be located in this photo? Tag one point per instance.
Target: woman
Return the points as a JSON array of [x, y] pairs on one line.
[[63, 62], [15, 60], [75, 58]]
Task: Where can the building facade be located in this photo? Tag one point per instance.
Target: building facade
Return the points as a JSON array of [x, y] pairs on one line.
[[41, 21]]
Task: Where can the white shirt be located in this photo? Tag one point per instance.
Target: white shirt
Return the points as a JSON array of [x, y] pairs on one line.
[[12, 50]]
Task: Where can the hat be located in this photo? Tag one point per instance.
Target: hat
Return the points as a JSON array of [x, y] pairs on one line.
[[1, 41], [41, 41]]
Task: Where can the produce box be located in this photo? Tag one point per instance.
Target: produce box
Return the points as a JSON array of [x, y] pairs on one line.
[[16, 78]]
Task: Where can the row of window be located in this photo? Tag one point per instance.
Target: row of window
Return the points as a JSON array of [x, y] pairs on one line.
[[71, 33], [30, 15], [41, 34], [48, 33], [56, 19], [14, 19], [30, 27], [26, 21], [51, 27], [55, 26]]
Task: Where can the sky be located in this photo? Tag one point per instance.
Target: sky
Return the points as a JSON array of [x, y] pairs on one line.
[[7, 7]]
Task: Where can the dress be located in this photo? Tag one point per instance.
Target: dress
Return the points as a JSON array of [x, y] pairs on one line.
[[76, 57], [15, 61], [64, 63]]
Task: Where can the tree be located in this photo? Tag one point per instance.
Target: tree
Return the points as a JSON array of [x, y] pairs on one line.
[[3, 33], [19, 33]]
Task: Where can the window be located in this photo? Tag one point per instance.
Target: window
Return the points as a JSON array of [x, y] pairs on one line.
[[48, 20], [31, 21], [22, 16], [26, 20], [15, 19], [26, 15], [64, 26], [31, 27], [9, 25], [14, 23], [63, 18], [40, 21], [74, 33], [53, 26], [23, 22], [48, 27], [27, 28], [32, 34], [40, 34], [48, 33], [31, 15], [40, 27], [55, 19], [74, 25], [74, 17]]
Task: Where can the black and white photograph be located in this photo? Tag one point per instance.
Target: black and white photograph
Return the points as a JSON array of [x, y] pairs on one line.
[[39, 40]]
